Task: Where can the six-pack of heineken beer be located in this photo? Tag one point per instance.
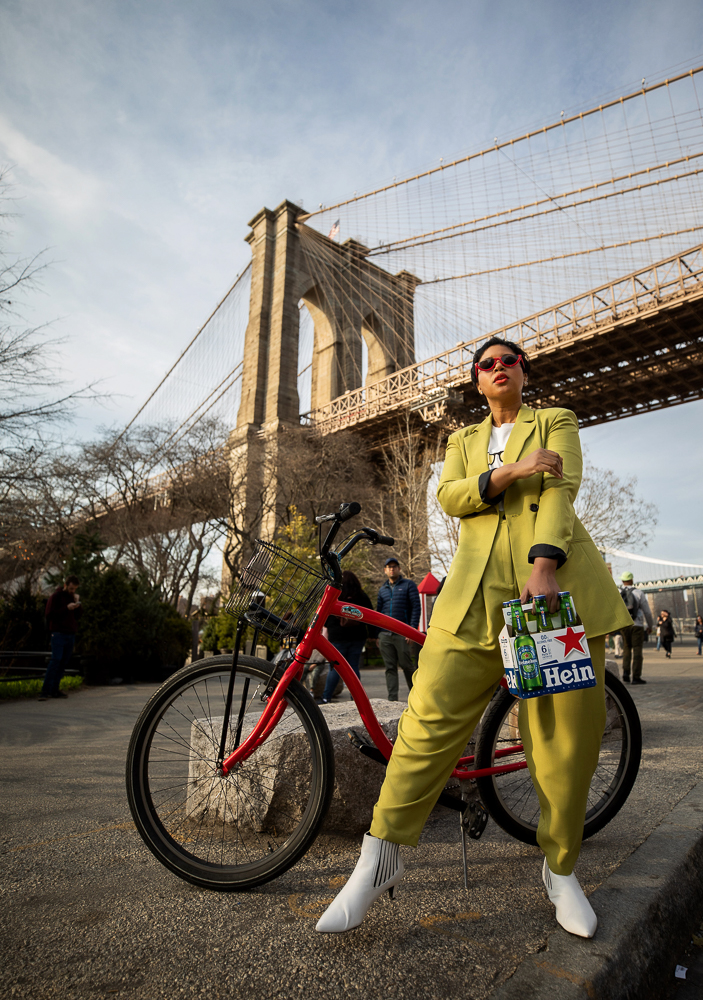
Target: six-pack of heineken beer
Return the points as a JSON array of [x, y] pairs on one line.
[[544, 653]]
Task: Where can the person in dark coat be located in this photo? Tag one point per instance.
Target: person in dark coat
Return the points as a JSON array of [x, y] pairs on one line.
[[666, 631], [63, 609], [698, 630], [347, 634], [398, 598]]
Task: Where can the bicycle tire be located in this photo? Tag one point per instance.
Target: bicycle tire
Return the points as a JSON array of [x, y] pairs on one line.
[[233, 833], [510, 797]]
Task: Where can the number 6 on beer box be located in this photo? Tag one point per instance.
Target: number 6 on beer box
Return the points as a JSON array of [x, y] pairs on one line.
[[544, 661]]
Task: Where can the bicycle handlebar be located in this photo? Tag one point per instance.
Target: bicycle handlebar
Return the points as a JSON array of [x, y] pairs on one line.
[[346, 511], [331, 559]]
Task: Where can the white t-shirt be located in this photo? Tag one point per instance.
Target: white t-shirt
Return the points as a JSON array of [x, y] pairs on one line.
[[496, 447]]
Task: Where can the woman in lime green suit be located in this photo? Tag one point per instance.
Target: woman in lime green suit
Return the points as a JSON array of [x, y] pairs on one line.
[[512, 480]]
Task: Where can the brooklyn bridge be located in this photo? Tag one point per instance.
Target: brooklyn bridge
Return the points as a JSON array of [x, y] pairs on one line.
[[579, 240]]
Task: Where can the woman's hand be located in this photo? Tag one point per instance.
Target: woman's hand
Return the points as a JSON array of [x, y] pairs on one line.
[[543, 580], [541, 460]]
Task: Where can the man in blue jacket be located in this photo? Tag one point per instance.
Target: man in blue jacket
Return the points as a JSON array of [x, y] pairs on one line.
[[398, 598]]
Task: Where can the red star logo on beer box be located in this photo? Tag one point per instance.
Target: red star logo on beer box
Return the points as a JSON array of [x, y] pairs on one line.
[[572, 641]]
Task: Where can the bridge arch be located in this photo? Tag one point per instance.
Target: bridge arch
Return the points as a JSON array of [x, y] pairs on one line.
[[380, 356]]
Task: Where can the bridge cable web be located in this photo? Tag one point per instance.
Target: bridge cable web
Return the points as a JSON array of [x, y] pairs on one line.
[[536, 219], [494, 235], [194, 387]]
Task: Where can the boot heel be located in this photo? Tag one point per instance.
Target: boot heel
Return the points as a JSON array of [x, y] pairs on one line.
[[391, 892]]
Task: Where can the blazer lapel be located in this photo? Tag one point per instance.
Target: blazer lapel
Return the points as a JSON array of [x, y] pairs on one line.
[[477, 448], [524, 426]]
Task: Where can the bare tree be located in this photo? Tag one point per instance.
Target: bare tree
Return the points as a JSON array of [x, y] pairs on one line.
[[31, 404], [315, 474], [611, 510], [442, 529], [407, 461], [30, 382], [163, 502], [609, 507]]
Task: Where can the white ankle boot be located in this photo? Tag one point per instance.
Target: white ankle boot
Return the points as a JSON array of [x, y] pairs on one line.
[[574, 912], [379, 868]]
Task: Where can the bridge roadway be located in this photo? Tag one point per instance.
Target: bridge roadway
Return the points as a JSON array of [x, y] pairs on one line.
[[87, 912], [629, 346]]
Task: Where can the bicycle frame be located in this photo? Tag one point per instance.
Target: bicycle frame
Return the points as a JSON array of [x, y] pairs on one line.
[[314, 640]]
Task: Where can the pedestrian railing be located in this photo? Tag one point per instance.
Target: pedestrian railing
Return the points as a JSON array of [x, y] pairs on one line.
[[27, 672]]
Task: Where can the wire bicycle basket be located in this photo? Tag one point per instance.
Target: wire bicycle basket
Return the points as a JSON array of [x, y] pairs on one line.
[[277, 593]]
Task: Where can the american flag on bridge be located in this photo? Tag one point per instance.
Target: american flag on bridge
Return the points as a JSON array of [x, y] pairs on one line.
[[334, 231]]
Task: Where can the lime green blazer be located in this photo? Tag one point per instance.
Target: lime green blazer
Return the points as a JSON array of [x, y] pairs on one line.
[[540, 517]]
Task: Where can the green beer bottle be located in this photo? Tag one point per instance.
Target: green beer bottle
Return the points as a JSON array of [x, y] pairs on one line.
[[543, 617], [525, 651], [566, 609]]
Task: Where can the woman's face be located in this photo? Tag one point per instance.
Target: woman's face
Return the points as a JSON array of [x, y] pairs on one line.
[[501, 385]]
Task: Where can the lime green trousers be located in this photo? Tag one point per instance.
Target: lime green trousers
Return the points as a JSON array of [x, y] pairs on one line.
[[455, 680]]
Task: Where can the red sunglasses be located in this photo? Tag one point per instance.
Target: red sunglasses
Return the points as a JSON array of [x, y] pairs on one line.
[[507, 361]]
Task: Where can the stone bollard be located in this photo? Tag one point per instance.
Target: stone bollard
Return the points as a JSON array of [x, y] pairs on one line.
[[266, 788], [358, 779]]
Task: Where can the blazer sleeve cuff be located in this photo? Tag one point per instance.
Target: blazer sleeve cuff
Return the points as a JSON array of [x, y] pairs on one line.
[[547, 552], [483, 481]]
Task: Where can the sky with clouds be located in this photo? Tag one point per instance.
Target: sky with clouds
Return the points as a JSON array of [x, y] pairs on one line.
[[141, 138]]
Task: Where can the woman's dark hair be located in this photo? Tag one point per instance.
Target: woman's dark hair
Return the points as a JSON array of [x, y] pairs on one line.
[[71, 579], [351, 587], [503, 343]]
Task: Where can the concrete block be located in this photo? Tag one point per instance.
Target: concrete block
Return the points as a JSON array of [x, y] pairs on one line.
[[268, 786], [358, 780]]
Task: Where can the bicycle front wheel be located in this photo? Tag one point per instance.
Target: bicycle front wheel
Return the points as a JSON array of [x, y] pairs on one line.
[[236, 832], [510, 797]]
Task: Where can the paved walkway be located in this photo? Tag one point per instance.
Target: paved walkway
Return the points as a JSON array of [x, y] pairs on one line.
[[87, 912]]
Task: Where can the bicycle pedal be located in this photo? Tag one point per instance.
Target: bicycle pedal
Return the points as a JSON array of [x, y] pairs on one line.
[[364, 746], [474, 820]]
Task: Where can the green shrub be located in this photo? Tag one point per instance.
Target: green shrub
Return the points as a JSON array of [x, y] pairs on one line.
[[32, 687], [126, 630], [22, 623]]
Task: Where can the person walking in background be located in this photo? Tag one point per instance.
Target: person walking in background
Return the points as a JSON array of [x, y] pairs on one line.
[[617, 644], [63, 609], [398, 598], [633, 635], [347, 635], [666, 631], [698, 630]]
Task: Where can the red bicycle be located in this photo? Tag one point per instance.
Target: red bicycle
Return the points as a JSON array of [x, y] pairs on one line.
[[230, 769]]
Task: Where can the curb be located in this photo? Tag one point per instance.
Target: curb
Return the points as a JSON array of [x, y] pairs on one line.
[[646, 911]]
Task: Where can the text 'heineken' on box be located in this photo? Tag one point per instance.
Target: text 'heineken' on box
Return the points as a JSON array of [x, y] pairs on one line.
[[544, 653]]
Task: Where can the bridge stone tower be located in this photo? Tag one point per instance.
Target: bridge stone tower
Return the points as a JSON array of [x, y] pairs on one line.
[[349, 299]]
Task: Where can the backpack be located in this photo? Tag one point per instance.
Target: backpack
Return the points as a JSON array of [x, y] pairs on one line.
[[630, 601]]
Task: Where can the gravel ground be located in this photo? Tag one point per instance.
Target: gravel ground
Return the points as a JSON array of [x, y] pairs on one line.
[[88, 912]]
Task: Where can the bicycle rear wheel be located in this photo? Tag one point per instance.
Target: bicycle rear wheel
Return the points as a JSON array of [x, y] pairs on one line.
[[236, 832], [511, 799]]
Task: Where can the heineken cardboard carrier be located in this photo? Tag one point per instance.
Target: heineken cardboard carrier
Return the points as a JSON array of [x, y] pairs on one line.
[[545, 653]]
